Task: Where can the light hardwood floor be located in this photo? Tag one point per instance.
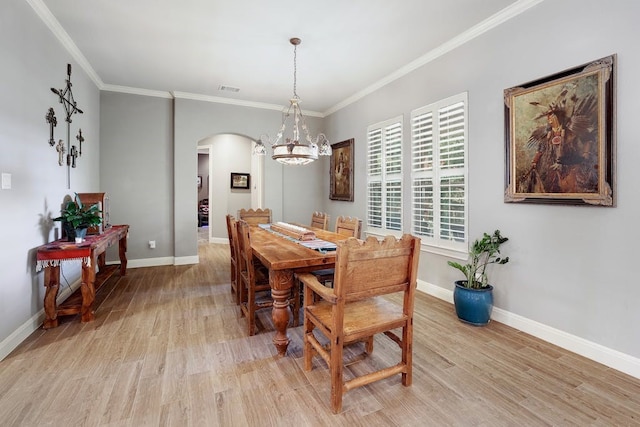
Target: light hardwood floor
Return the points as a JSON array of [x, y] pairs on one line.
[[168, 348]]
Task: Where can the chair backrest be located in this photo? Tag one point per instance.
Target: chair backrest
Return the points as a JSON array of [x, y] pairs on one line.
[[373, 267], [245, 252], [348, 226], [255, 217], [231, 230], [320, 220]]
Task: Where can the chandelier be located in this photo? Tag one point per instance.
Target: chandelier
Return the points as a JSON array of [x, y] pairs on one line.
[[291, 150]]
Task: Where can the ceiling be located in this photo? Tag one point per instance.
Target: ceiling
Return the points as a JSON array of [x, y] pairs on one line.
[[190, 48]]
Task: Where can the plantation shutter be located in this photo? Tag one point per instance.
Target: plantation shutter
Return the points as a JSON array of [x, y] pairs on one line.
[[439, 173], [384, 175]]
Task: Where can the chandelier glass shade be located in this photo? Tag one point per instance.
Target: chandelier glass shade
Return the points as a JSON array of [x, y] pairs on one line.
[[297, 147]]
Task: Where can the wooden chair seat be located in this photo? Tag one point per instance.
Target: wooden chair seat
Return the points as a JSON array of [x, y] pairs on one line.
[[361, 318]]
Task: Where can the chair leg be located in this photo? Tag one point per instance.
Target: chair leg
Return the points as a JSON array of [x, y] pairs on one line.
[[233, 277], [336, 369], [368, 345], [242, 295], [251, 311], [295, 305], [407, 353], [308, 350]]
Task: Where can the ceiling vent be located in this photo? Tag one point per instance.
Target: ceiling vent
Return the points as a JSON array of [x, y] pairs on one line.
[[228, 88]]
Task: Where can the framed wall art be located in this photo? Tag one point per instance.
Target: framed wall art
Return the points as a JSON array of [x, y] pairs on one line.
[[240, 180], [341, 171], [560, 137]]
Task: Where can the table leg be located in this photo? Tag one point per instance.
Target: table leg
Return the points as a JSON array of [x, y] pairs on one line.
[[52, 283], [88, 290], [281, 282], [122, 250]]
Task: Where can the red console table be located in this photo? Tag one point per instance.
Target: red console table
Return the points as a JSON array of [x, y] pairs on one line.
[[92, 254]]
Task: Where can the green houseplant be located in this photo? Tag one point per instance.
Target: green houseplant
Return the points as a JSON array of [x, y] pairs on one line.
[[76, 218], [473, 297]]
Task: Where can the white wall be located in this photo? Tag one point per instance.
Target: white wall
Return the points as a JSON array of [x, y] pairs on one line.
[[571, 267], [33, 62]]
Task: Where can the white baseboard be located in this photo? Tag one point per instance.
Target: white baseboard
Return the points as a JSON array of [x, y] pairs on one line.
[[147, 262], [612, 358], [219, 240], [32, 324], [185, 260]]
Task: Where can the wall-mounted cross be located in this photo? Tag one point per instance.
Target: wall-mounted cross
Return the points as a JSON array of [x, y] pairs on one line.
[[53, 121], [80, 139], [70, 108], [66, 97]]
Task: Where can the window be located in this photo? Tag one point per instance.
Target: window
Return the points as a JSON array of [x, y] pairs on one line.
[[439, 173], [384, 176]]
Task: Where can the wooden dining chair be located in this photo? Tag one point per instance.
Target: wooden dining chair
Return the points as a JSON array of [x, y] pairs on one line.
[[255, 217], [345, 226], [356, 310], [320, 220], [232, 231], [349, 226], [254, 279]]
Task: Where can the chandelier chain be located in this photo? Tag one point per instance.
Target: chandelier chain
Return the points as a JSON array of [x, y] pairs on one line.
[[295, 70]]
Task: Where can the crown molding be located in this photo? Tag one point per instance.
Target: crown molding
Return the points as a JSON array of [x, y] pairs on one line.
[[221, 100], [137, 91], [52, 23], [493, 21]]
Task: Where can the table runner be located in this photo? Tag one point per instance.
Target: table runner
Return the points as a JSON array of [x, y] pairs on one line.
[[53, 253], [315, 244]]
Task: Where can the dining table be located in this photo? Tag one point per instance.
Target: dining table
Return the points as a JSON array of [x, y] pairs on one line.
[[285, 256]]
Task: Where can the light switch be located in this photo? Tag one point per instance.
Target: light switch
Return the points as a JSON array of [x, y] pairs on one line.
[[6, 181]]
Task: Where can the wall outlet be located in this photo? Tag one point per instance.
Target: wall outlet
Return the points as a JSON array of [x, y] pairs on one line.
[[6, 181], [152, 244]]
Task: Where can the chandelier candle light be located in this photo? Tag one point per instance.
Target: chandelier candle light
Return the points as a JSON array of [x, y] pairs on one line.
[[292, 151]]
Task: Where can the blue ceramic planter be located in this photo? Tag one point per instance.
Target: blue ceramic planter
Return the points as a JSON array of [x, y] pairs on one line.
[[473, 305]]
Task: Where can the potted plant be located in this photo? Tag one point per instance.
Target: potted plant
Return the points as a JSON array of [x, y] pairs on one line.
[[76, 218], [473, 297]]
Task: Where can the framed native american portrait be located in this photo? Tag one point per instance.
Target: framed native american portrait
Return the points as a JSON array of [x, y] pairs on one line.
[[341, 171], [560, 137]]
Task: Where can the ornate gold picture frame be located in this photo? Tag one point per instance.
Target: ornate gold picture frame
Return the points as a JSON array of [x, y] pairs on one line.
[[560, 137]]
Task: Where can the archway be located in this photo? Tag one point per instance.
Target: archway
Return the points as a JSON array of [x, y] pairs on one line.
[[230, 153]]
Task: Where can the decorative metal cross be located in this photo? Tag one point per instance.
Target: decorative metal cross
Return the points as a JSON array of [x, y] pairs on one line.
[[70, 107], [60, 149], [73, 155], [66, 97], [80, 139], [53, 121]]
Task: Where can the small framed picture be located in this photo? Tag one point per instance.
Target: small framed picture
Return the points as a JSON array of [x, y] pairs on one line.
[[341, 171], [240, 180]]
